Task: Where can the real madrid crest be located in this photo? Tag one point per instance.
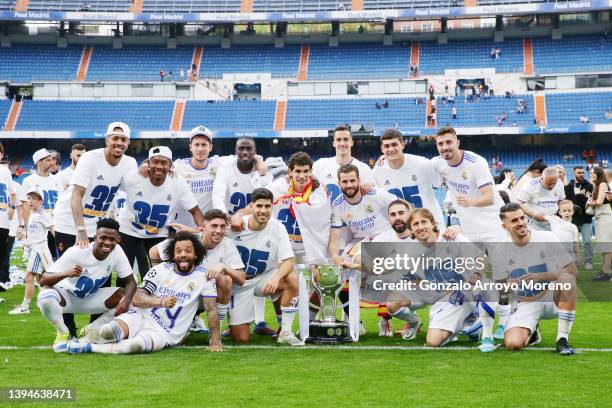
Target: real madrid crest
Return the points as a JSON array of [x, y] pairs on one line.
[[464, 175], [414, 177], [166, 282], [169, 197], [369, 208], [191, 286], [213, 171], [349, 216]]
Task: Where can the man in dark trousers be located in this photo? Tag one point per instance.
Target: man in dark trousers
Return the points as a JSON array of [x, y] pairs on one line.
[[578, 191]]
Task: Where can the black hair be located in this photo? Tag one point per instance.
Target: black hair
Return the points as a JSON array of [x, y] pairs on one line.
[[107, 223], [215, 213], [199, 249], [348, 168], [506, 208], [262, 193]]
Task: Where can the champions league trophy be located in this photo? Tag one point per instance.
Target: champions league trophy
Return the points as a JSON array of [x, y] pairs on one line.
[[328, 280]]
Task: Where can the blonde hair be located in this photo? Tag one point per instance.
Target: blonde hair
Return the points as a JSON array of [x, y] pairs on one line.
[[425, 213]]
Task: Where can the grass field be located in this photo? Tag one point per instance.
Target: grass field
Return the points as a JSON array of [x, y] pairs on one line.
[[374, 372]]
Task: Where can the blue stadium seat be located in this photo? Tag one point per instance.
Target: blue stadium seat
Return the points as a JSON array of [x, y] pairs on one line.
[[5, 107], [358, 61], [300, 5], [230, 115], [192, 6], [138, 63], [79, 5], [94, 116], [566, 108], [7, 5], [27, 63], [572, 55], [484, 112], [280, 62], [328, 113], [434, 58]]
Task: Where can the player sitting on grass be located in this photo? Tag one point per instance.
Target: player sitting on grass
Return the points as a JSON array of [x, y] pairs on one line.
[[73, 283], [39, 258], [537, 256], [165, 303]]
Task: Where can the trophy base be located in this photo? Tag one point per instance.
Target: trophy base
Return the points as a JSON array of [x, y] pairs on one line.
[[329, 333]]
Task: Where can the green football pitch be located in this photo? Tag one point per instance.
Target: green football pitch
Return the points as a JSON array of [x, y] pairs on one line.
[[374, 372]]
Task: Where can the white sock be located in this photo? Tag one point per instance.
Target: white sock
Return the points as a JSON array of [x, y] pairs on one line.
[[139, 344], [222, 311], [486, 320], [565, 320], [49, 305], [407, 315], [108, 333], [26, 303], [260, 309], [288, 314], [503, 311], [104, 318]]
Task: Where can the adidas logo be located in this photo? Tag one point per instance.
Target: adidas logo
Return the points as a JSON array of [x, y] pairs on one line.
[[100, 177], [139, 194], [169, 198], [235, 184], [329, 175], [387, 183], [268, 244]]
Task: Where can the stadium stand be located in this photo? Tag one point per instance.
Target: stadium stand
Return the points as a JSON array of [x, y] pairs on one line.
[[485, 112], [7, 5], [589, 54], [192, 6], [138, 63], [358, 61], [300, 5], [94, 116], [27, 63], [230, 115], [5, 107], [325, 113], [79, 5], [566, 108], [280, 62], [435, 58]]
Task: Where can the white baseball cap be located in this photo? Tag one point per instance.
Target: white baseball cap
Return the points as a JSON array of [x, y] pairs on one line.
[[160, 151], [37, 191], [125, 129], [200, 131], [40, 154]]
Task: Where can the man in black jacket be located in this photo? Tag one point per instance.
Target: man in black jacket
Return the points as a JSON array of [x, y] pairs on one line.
[[578, 191]]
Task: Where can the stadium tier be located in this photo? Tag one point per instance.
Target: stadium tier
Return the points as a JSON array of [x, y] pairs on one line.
[[325, 113], [435, 58], [94, 116], [588, 54], [280, 62], [192, 6], [138, 63], [230, 115], [358, 61], [7, 5], [5, 107], [566, 108], [79, 5], [27, 63], [300, 5], [486, 111]]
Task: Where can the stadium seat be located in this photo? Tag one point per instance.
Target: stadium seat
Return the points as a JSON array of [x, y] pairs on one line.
[[586, 54], [192, 6], [5, 107], [485, 111], [230, 115], [566, 108], [79, 5], [280, 62], [300, 5], [27, 63]]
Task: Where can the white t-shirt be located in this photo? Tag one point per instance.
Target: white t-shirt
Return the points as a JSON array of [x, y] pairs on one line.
[[6, 189], [64, 177], [471, 174], [101, 182], [413, 182], [95, 272], [543, 253], [366, 219], [232, 189], [39, 224], [49, 186], [225, 252], [541, 199], [13, 223], [262, 251], [162, 280], [148, 208], [390, 235], [326, 171], [200, 182]]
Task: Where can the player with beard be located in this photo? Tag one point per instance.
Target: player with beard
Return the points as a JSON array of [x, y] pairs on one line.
[[364, 216], [165, 304], [65, 176], [222, 259], [150, 206], [472, 191], [326, 169], [537, 256], [74, 283]]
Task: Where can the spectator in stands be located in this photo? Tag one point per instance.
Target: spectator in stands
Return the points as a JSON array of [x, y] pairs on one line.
[[603, 220], [497, 52], [493, 53], [431, 90], [508, 94], [608, 115], [377, 105], [521, 106], [477, 92], [505, 181], [454, 113], [182, 74], [385, 104], [162, 74], [578, 191], [451, 99], [584, 119], [416, 70], [499, 166]]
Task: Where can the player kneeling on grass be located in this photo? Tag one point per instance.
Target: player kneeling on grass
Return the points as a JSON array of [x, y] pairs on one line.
[[73, 283], [537, 257], [39, 258], [165, 305]]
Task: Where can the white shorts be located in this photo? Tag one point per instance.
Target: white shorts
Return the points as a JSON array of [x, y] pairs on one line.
[[241, 304], [447, 316], [40, 259], [90, 304], [529, 314], [139, 324]]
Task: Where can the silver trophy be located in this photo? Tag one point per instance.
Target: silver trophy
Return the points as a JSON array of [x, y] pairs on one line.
[[328, 280]]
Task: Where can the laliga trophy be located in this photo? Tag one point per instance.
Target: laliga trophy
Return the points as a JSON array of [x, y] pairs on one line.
[[327, 281]]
